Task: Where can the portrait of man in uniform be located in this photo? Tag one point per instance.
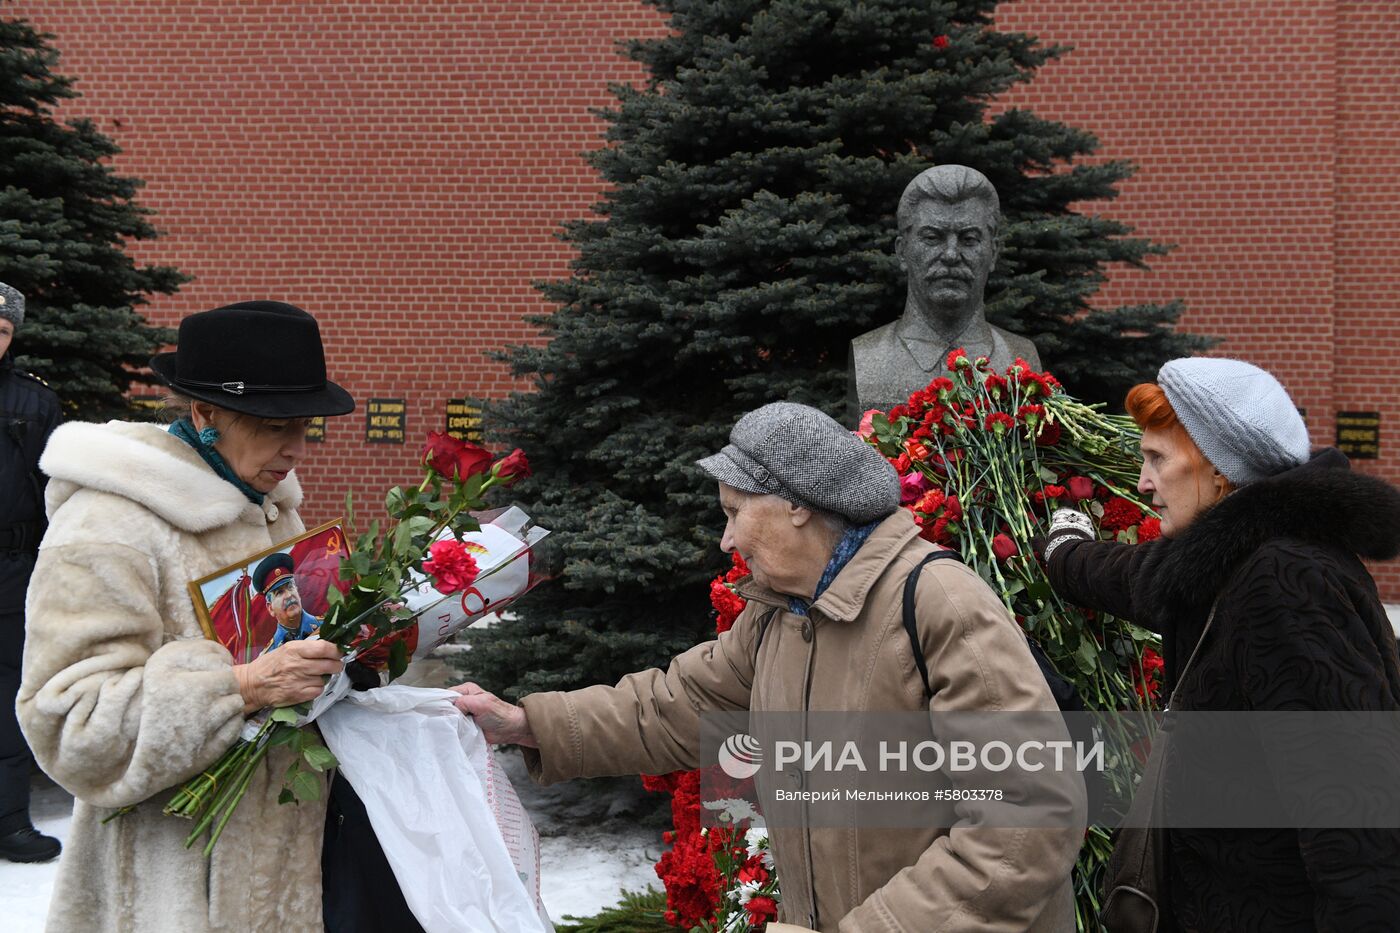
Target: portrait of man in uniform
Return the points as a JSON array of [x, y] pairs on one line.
[[274, 578], [273, 596]]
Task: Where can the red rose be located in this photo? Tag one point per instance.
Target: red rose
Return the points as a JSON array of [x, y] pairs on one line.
[[940, 42], [440, 452], [452, 568], [912, 485], [1080, 487], [514, 467], [1003, 547], [1149, 529]]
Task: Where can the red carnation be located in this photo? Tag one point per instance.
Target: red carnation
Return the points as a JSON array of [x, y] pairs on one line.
[[728, 604], [1003, 547], [901, 464], [1080, 487], [1149, 529], [1147, 679], [1054, 492], [514, 467], [930, 502], [940, 42], [916, 451], [1049, 434], [1000, 422], [1032, 415], [753, 870], [761, 909], [452, 568], [1119, 514], [958, 360], [996, 386]]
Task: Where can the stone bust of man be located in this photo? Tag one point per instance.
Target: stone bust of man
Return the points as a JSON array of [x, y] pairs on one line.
[[949, 218]]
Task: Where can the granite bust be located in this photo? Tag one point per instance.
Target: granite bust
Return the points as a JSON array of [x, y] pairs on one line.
[[949, 218]]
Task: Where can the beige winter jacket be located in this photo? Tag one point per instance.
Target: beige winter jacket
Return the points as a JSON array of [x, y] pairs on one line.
[[852, 653], [124, 698]]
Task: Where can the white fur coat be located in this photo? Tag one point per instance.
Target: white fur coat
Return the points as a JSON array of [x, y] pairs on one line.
[[123, 698]]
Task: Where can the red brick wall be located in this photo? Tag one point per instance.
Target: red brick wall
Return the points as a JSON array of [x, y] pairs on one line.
[[401, 168], [1264, 134]]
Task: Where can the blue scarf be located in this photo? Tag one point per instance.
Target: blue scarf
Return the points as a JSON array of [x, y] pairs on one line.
[[185, 431], [840, 556]]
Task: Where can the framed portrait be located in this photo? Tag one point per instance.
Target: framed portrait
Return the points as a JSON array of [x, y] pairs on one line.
[[273, 596]]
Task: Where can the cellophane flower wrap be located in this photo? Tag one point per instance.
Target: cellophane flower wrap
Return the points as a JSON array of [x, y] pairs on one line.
[[984, 459], [407, 584]]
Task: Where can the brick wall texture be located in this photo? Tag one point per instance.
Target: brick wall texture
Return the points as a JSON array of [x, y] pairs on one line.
[[400, 170]]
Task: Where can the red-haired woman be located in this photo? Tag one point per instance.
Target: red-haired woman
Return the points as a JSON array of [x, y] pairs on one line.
[[1268, 535]]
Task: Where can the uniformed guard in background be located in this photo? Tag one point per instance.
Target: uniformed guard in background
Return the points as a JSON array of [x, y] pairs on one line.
[[29, 411]]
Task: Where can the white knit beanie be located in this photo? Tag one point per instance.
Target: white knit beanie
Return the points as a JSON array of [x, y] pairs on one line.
[[1238, 415]]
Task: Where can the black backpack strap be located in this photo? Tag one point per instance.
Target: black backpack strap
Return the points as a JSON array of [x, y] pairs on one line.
[[763, 621], [911, 624]]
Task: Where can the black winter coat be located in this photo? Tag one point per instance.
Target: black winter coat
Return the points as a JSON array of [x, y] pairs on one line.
[[29, 411], [1299, 626]]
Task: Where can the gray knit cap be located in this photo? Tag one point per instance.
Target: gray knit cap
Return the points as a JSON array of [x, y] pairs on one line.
[[1238, 415], [800, 454], [11, 305]]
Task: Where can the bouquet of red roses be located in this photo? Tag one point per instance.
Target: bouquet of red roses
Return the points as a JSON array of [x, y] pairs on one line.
[[425, 556]]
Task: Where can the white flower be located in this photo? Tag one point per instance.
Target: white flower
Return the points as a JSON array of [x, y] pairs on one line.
[[756, 839], [745, 891], [732, 809]]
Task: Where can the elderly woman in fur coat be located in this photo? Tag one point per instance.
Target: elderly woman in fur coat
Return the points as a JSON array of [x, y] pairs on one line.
[[1272, 536], [123, 697]]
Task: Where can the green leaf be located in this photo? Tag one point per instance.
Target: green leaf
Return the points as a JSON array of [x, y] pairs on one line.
[[1047, 475], [281, 736], [395, 501], [306, 786], [286, 796], [1087, 657], [319, 757], [398, 659], [403, 540], [420, 524], [359, 563], [287, 714]]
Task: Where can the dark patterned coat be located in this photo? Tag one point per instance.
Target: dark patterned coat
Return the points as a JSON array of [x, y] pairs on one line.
[[1299, 626]]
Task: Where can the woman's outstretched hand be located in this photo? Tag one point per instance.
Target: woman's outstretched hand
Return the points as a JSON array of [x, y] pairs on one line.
[[502, 723]]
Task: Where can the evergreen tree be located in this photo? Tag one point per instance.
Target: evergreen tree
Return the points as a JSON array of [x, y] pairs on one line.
[[65, 216], [746, 236]]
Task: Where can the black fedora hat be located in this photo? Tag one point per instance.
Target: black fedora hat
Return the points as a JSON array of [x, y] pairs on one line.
[[260, 358]]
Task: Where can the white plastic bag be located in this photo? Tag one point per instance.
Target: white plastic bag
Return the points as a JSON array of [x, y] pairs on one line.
[[461, 846]]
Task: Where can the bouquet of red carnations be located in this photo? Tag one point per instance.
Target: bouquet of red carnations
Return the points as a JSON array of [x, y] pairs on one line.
[[984, 458]]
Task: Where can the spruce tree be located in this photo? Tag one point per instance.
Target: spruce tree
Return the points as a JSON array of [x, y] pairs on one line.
[[745, 237], [65, 217]]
